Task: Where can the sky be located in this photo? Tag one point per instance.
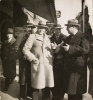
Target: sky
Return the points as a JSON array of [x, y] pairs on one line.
[[69, 10], [89, 3]]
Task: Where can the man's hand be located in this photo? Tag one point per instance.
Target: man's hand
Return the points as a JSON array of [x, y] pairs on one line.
[[35, 59], [54, 45], [66, 48], [57, 48]]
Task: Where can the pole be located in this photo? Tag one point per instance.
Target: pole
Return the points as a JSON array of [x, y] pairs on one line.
[[83, 10]]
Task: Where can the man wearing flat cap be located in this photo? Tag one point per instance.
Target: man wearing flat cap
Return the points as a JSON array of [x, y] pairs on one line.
[[38, 51], [8, 57], [58, 62], [75, 64]]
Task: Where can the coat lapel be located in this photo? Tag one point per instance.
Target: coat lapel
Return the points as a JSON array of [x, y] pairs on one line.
[[76, 38]]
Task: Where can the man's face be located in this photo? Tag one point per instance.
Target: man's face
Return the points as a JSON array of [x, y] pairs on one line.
[[41, 30], [9, 36], [70, 30], [57, 31]]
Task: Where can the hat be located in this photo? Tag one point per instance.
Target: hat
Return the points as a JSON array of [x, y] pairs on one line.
[[10, 31], [58, 26], [73, 22], [30, 25], [42, 24], [50, 24]]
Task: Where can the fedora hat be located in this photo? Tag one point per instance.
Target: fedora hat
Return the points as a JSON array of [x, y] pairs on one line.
[[73, 22], [10, 31], [58, 26], [30, 25], [49, 24], [42, 24]]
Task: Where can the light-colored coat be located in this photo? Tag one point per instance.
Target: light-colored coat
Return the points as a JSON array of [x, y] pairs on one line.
[[42, 70]]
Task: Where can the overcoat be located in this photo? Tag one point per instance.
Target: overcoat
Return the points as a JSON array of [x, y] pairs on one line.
[[8, 56], [23, 63], [58, 63], [75, 65], [41, 71], [90, 65]]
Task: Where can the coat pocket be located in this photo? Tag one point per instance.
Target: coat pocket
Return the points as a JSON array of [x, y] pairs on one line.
[[35, 66]]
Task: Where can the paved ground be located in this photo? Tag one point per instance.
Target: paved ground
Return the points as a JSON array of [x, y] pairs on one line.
[[13, 91]]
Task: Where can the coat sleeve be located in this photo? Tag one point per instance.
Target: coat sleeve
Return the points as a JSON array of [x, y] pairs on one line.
[[2, 51], [80, 49], [27, 48], [18, 41]]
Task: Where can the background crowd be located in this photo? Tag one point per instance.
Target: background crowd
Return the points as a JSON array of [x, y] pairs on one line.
[[49, 61]]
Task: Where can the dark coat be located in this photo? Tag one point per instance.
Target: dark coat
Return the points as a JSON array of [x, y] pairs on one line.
[[23, 63], [90, 65], [57, 41], [75, 65], [58, 65], [8, 56]]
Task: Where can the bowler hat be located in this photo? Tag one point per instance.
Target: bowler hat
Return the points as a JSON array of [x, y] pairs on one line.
[[58, 26], [73, 22], [30, 25], [10, 31], [42, 24]]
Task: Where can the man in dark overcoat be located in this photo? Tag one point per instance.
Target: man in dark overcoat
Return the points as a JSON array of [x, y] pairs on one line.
[[58, 62], [8, 57], [90, 65], [75, 68], [24, 64]]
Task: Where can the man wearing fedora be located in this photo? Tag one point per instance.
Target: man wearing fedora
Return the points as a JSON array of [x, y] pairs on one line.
[[58, 62], [38, 51], [24, 64], [8, 57], [75, 64]]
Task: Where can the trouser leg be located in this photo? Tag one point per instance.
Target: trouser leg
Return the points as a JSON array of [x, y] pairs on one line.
[[28, 79], [70, 97], [46, 93], [22, 90], [57, 94], [29, 90], [75, 97], [7, 81], [78, 97], [35, 94]]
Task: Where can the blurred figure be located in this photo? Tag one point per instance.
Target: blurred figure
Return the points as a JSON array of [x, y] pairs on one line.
[[90, 66], [8, 57], [38, 51], [75, 65], [58, 63], [24, 64]]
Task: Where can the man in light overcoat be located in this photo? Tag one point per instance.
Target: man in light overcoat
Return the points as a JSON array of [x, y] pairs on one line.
[[37, 50]]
